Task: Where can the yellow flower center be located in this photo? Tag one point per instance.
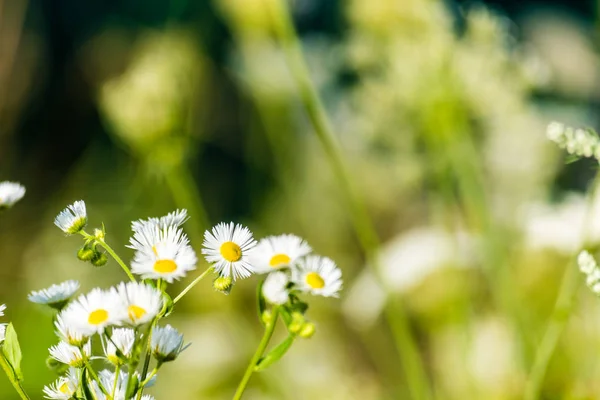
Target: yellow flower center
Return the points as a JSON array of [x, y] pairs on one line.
[[64, 388], [165, 266], [98, 316], [314, 280], [231, 251], [135, 312], [279, 259]]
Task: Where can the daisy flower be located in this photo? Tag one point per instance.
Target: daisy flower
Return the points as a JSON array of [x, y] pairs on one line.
[[56, 296], [317, 275], [10, 193], [67, 334], [166, 343], [169, 258], [71, 355], [275, 288], [141, 302], [92, 312], [228, 247], [107, 380], [173, 219], [64, 387], [276, 252], [72, 219], [122, 339]]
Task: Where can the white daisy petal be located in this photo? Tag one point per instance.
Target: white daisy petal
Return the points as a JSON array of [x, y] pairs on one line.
[[275, 252], [166, 343], [121, 339], [2, 308], [3, 332], [10, 193], [72, 219], [64, 387], [71, 355], [141, 302], [56, 295], [275, 288], [93, 312], [317, 275], [229, 247], [67, 334], [162, 253]]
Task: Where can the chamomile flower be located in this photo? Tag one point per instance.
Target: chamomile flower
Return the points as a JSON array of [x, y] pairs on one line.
[[317, 275], [72, 219], [3, 332], [140, 302], [107, 380], [275, 288], [56, 296], [276, 252], [67, 334], [169, 258], [10, 193], [71, 355], [64, 387], [92, 312], [228, 248], [118, 348], [172, 219], [166, 343]]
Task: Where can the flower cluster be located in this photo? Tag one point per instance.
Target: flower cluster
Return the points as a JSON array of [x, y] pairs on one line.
[[123, 320], [10, 193], [577, 142]]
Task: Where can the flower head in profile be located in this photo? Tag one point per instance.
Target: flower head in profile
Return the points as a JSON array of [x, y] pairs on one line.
[[67, 334], [162, 254], [228, 248], [107, 380], [56, 296], [93, 312], [64, 387], [10, 193], [118, 348], [275, 252], [71, 355], [140, 302], [275, 288], [167, 343], [72, 219], [317, 275]]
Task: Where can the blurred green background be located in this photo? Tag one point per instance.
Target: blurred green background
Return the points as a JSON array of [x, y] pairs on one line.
[[440, 108]]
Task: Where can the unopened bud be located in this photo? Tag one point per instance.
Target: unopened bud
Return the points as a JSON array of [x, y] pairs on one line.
[[99, 234], [307, 330], [99, 259], [223, 284], [266, 317], [86, 254]]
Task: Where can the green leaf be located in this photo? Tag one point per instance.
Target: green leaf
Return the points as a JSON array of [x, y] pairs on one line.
[[571, 158], [275, 354], [12, 351], [85, 386], [262, 304]]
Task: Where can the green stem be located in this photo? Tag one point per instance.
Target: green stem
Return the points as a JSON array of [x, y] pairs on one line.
[[95, 376], [150, 376], [10, 373], [147, 358], [191, 285], [114, 255], [565, 303], [114, 389], [264, 342], [363, 225]]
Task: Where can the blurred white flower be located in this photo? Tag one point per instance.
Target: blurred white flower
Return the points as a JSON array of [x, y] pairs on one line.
[[318, 276], [274, 288], [274, 252], [56, 295], [10, 193]]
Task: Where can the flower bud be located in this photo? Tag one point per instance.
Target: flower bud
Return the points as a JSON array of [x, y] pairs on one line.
[[223, 284], [99, 259], [297, 323], [307, 330], [99, 234], [85, 254], [266, 317]]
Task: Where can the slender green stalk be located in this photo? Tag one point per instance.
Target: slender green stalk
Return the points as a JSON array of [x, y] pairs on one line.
[[95, 376], [147, 358], [12, 378], [192, 284], [563, 308], [149, 377], [264, 342], [114, 389], [364, 227], [114, 255]]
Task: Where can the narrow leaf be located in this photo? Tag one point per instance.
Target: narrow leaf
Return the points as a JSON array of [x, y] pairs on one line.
[[12, 351], [275, 354]]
